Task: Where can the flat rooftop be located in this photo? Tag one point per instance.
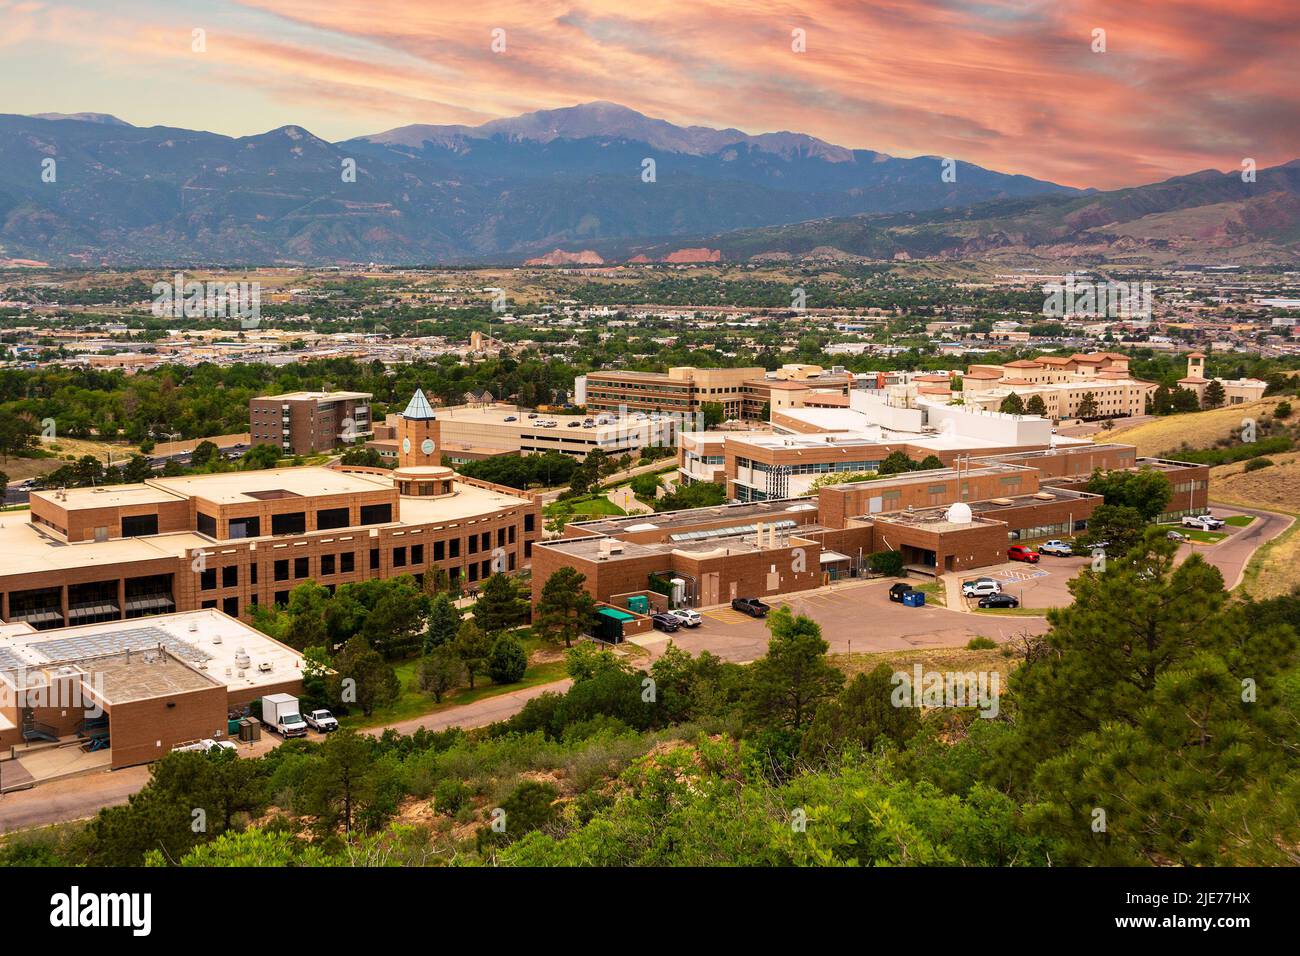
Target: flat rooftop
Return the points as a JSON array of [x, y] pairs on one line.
[[669, 521], [107, 496], [316, 396], [143, 675], [237, 487], [207, 639]]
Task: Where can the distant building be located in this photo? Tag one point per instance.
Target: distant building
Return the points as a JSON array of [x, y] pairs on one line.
[[307, 423], [1064, 383], [743, 393], [1235, 390]]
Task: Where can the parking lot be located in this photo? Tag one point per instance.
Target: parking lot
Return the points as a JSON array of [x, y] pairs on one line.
[[1042, 585], [855, 616]]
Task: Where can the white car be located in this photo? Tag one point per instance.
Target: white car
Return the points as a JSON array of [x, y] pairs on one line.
[[322, 720], [982, 587], [206, 744], [1202, 522], [688, 617], [1060, 549]]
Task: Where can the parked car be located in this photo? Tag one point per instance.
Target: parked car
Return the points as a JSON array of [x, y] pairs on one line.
[[687, 617], [1021, 552], [510, 418], [1056, 547], [981, 587], [999, 600], [751, 606], [665, 622], [574, 425], [532, 414], [1176, 536], [1202, 522], [897, 591], [322, 720]]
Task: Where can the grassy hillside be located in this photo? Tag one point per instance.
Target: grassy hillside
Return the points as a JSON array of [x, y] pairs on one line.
[[1164, 436]]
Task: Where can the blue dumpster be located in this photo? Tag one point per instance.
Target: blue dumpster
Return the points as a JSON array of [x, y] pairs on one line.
[[914, 599]]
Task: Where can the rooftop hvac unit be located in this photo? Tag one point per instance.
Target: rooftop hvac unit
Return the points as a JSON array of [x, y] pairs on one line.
[[265, 667], [194, 626], [216, 639]]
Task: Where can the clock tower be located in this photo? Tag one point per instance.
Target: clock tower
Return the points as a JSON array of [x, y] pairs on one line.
[[418, 434]]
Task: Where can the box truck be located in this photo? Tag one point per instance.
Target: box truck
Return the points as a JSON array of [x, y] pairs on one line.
[[280, 713]]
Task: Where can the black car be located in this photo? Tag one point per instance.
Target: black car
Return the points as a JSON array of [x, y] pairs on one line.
[[665, 622], [751, 606], [999, 600], [898, 590]]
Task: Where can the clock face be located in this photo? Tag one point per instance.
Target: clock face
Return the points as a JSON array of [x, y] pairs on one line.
[[406, 446], [427, 446]]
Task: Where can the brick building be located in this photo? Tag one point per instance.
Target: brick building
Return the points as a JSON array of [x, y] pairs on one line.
[[307, 423], [233, 540], [144, 687]]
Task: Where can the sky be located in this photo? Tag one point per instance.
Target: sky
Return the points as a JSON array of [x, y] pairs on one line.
[[1014, 85]]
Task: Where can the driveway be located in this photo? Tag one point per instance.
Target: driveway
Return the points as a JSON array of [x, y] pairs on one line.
[[1233, 553]]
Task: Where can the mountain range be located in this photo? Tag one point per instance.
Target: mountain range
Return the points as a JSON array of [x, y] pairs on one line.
[[569, 185]]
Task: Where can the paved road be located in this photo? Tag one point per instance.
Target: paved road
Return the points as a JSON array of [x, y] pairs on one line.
[[1232, 554]]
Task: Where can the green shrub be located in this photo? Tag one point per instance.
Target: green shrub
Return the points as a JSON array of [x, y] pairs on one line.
[[886, 562], [981, 644], [507, 660], [1255, 464], [449, 796]]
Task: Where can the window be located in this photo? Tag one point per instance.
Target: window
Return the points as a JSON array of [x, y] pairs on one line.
[[230, 576], [301, 567], [230, 606], [207, 525], [439, 550], [282, 570], [528, 522], [485, 540], [245, 527], [417, 554], [501, 537], [473, 572], [252, 574], [454, 544], [292, 522], [376, 514], [137, 525], [282, 597], [208, 579], [347, 562], [399, 557], [511, 529], [374, 559], [472, 541], [331, 518], [326, 564]]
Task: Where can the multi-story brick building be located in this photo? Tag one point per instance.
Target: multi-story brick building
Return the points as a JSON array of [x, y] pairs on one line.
[[1066, 384], [944, 519], [306, 423], [237, 539]]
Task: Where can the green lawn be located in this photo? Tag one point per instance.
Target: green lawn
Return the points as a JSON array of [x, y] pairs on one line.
[[1204, 537], [591, 505], [1239, 521]]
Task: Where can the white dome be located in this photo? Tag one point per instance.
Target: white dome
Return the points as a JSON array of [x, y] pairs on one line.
[[959, 513]]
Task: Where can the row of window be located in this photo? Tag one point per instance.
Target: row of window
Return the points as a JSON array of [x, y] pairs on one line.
[[345, 561], [291, 522]]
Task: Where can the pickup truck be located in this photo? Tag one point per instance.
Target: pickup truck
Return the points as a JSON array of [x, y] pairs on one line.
[[1202, 522], [751, 606], [1056, 547], [322, 720]]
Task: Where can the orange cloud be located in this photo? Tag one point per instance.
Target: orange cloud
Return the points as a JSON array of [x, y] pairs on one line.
[[1013, 85]]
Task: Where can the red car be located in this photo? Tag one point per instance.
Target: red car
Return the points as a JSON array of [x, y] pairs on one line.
[[1019, 552]]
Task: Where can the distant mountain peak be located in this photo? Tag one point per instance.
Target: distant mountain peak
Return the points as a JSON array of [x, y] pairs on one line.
[[603, 119], [106, 119]]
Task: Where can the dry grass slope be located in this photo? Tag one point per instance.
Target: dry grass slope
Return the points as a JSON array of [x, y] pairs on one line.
[[1197, 429]]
